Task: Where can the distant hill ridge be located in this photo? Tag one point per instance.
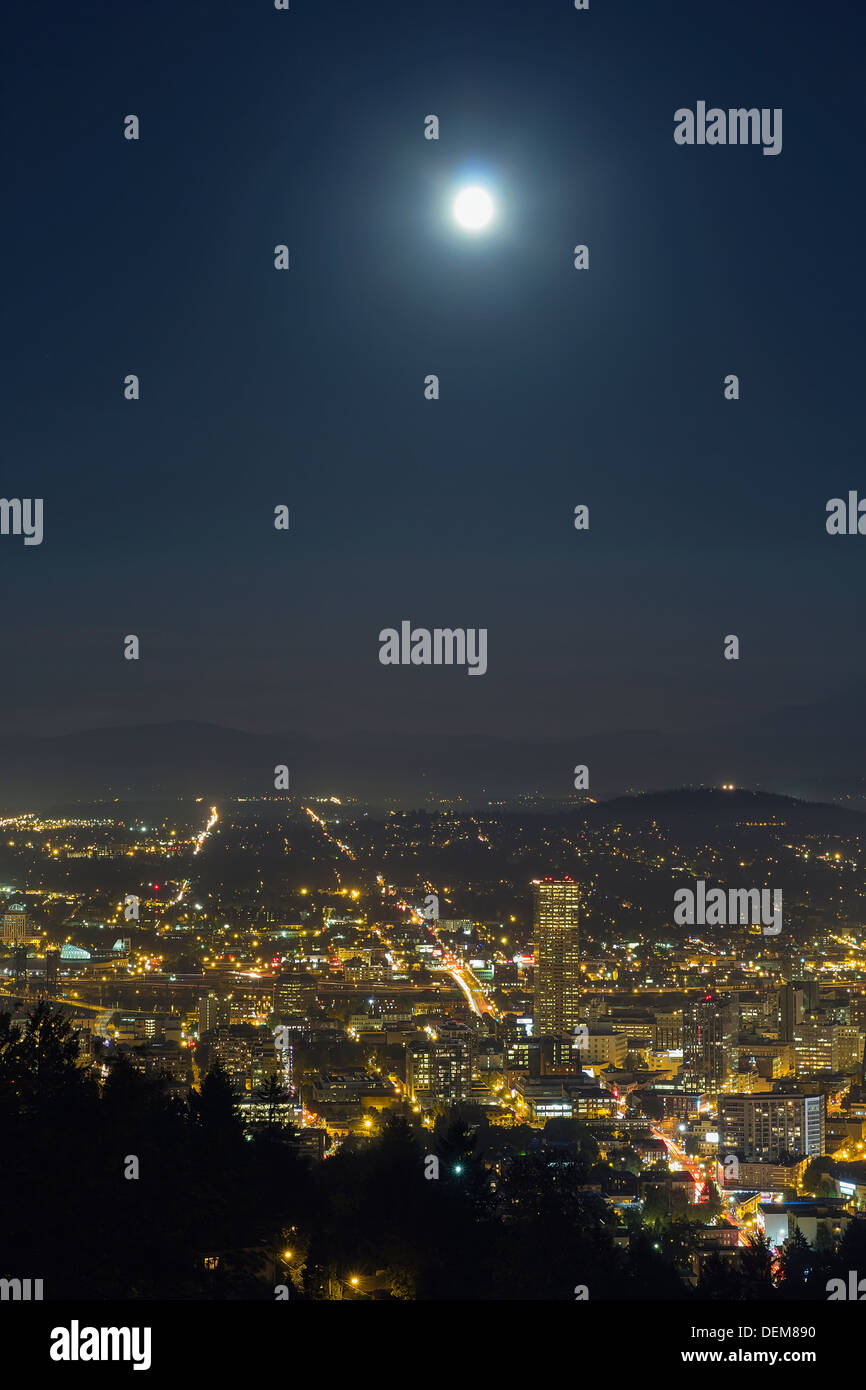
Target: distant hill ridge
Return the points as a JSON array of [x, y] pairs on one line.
[[187, 757]]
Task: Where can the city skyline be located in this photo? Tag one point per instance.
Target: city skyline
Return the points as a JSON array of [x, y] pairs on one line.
[[313, 967]]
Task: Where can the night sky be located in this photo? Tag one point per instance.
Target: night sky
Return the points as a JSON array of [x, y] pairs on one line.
[[558, 387]]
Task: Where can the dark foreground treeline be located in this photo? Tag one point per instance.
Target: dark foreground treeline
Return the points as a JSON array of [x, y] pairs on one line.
[[215, 1215]]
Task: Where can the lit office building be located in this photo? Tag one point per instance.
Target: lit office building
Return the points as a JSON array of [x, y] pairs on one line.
[[669, 1031], [710, 1054], [438, 1071], [795, 1002], [294, 992], [14, 925], [557, 957], [770, 1126], [213, 1012], [827, 1046]]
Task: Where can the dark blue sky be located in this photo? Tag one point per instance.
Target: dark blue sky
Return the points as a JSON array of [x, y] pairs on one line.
[[557, 387]]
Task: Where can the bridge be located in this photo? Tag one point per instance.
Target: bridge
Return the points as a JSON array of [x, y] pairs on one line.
[[34, 997]]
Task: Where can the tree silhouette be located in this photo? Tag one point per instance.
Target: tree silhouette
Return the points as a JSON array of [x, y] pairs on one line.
[[214, 1108], [756, 1261], [796, 1259]]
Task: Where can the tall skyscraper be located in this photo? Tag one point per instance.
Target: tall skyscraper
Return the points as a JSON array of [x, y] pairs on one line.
[[213, 1012], [557, 957], [796, 1001], [14, 925], [710, 1032]]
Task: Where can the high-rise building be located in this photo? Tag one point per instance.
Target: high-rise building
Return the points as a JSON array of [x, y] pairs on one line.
[[19, 967], [294, 992], [14, 925], [709, 1043], [439, 1071], [857, 1011], [796, 1000], [247, 1054], [557, 957], [213, 1012], [605, 1047], [266, 1061], [822, 1045], [669, 1031], [770, 1126], [52, 970], [542, 1056]]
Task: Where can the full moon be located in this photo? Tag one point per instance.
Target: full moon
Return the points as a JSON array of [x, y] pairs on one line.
[[473, 208]]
